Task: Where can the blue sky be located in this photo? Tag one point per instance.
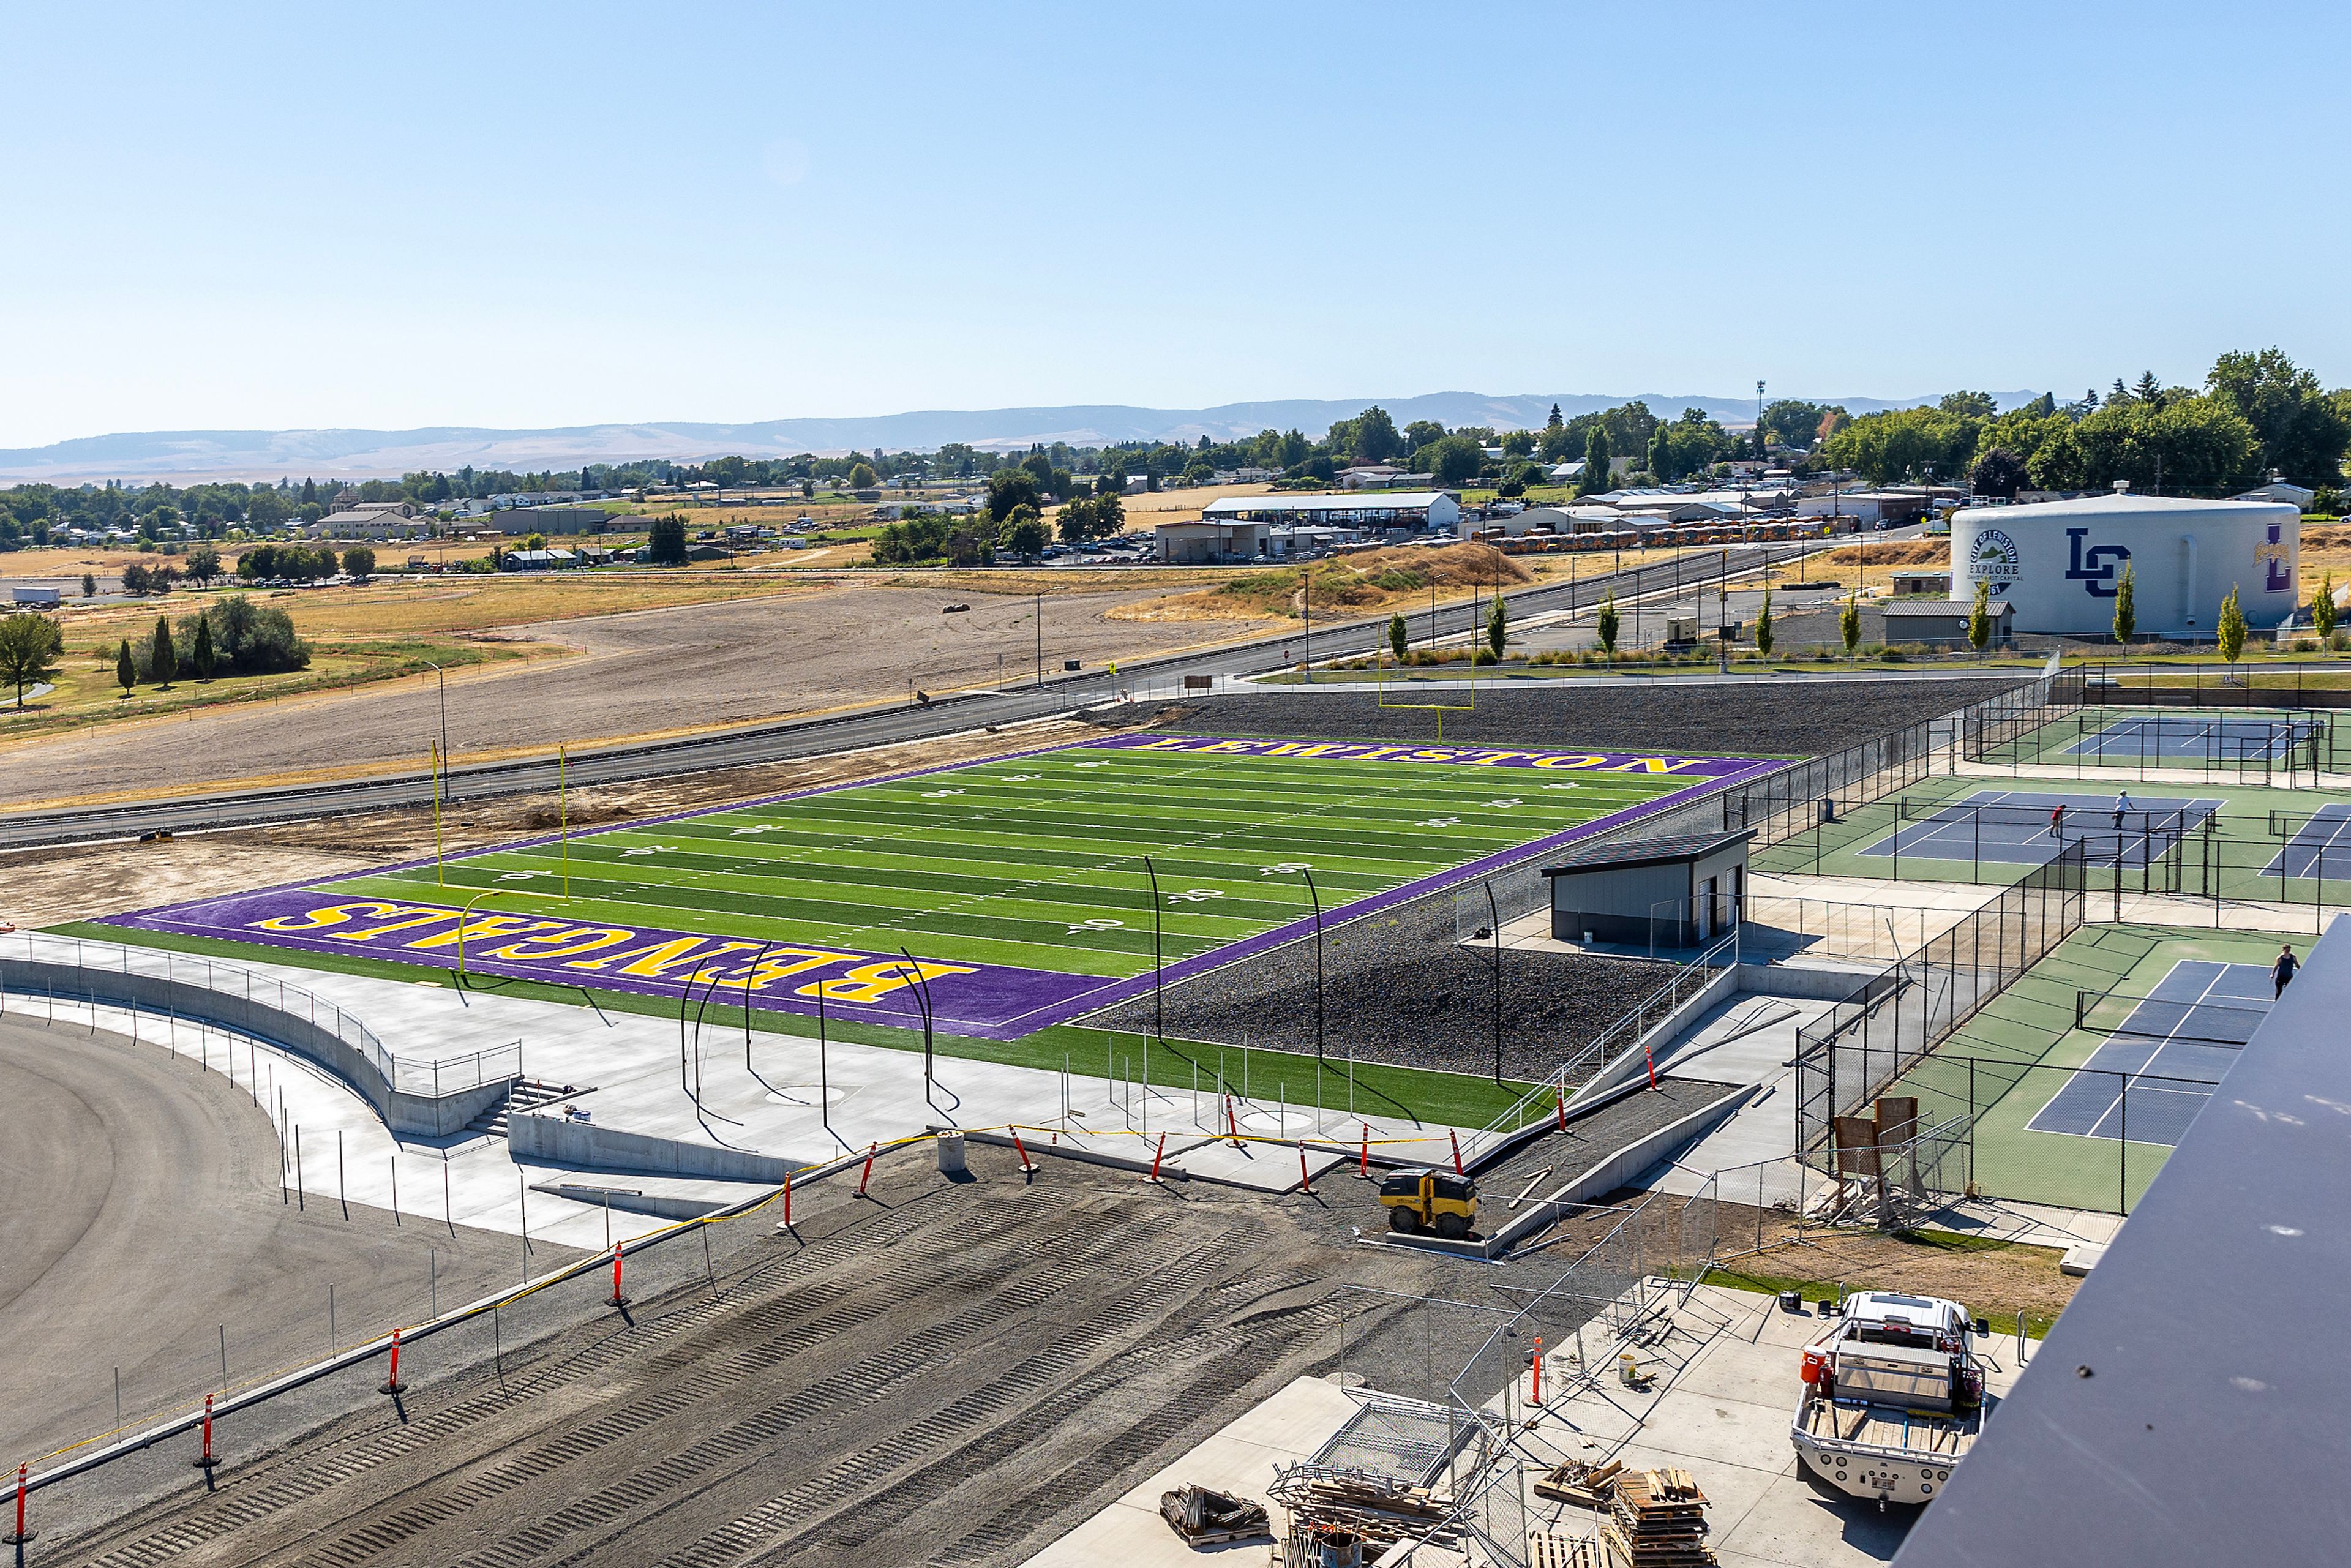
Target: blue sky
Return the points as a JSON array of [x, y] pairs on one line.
[[231, 217]]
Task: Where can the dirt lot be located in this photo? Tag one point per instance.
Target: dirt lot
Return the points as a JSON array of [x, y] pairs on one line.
[[45, 887], [639, 674]]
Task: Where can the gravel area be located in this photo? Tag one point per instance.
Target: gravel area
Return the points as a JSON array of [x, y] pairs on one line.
[[1399, 989], [1800, 719]]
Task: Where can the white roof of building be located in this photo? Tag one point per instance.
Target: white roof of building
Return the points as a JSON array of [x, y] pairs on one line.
[[2121, 505], [1355, 501]]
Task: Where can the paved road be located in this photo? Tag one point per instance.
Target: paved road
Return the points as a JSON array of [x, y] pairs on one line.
[[791, 738], [143, 1220]]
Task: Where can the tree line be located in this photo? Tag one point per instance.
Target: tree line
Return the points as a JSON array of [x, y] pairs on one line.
[[2255, 414]]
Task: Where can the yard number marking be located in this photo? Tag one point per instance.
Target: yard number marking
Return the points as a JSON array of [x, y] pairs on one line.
[[1285, 868], [762, 828], [1506, 803], [1088, 764], [934, 794], [1194, 895], [519, 875], [1570, 785], [1097, 923], [1439, 822], [649, 849], [1021, 777]]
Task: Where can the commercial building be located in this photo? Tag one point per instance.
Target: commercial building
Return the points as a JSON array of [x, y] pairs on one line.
[[1206, 542], [2060, 563], [1417, 510]]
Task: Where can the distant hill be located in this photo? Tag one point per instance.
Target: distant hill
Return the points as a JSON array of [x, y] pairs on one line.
[[375, 453]]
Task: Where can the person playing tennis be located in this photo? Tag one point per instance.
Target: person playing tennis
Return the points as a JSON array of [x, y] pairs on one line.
[[2057, 821]]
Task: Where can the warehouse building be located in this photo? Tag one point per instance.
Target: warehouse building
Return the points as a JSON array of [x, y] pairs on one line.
[[2059, 562], [1421, 511]]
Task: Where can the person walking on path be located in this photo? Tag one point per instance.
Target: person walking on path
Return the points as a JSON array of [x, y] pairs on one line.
[[2057, 821], [2283, 970]]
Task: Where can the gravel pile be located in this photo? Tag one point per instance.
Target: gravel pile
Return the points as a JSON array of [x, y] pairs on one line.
[[1399, 989], [1800, 719]]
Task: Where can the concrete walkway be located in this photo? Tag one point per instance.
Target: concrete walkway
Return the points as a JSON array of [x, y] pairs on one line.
[[788, 1099]]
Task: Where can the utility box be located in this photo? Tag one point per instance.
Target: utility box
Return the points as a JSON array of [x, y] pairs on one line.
[[951, 1160]]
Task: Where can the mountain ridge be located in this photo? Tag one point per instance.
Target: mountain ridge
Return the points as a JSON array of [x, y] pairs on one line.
[[360, 454]]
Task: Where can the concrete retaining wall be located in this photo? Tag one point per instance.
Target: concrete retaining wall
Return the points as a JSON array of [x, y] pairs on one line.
[[1818, 983], [1621, 1167], [583, 1145], [427, 1115]]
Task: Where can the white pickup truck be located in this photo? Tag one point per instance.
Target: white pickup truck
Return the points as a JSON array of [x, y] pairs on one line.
[[1894, 1396]]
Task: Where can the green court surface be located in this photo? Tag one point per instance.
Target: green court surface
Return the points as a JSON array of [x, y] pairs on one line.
[[2181, 836], [1037, 861], [2253, 744], [2020, 1053]]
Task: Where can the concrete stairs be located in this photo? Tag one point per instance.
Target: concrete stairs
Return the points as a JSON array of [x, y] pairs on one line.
[[524, 1094]]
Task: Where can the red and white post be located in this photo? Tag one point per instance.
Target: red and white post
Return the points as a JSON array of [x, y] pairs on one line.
[[22, 1534], [616, 1299], [1562, 1110], [1158, 1155], [1535, 1393], [1305, 1182], [391, 1383], [871, 1150], [1456, 1136], [205, 1461], [1364, 1157], [1028, 1166]]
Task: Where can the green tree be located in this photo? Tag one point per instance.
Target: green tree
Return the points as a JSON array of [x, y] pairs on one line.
[[862, 476], [1595, 462], [2125, 603], [1849, 624], [162, 658], [2321, 608], [88, 585], [665, 542], [359, 561], [2232, 627], [1980, 618], [1399, 637], [2300, 430], [1024, 534], [1998, 472], [1452, 461], [1607, 623], [202, 656], [126, 673], [1763, 625], [1661, 453], [1497, 627], [29, 647], [1009, 488], [203, 563]]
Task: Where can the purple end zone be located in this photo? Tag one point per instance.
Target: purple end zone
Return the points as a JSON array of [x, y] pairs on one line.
[[986, 1001]]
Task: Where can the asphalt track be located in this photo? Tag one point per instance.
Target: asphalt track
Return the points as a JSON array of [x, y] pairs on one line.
[[793, 738], [143, 1224]]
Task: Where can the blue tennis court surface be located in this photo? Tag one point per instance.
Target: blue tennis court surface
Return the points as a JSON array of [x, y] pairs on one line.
[[2176, 1044], [2231, 737], [2321, 847], [2012, 826]]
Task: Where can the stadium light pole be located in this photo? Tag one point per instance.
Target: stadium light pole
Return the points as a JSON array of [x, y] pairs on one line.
[[1158, 961], [1316, 895], [1495, 915]]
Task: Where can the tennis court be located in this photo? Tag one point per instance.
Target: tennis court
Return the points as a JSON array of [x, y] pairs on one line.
[[2146, 1082], [2320, 847], [2208, 739], [2013, 826]]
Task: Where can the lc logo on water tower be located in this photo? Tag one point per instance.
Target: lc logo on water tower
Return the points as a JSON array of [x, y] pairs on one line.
[[2095, 567]]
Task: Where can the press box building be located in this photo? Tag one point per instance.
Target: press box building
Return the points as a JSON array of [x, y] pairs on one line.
[[2059, 562]]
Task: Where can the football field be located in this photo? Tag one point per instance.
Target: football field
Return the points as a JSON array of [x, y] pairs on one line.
[[995, 896]]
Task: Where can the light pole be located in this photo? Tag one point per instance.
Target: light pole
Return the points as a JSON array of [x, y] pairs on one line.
[[1158, 963], [1316, 895], [1040, 638]]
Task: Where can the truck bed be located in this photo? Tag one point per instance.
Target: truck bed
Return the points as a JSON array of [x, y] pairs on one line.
[[1924, 1432]]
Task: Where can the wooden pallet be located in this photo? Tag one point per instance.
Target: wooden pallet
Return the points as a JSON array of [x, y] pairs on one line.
[[1545, 1550], [1583, 1485]]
